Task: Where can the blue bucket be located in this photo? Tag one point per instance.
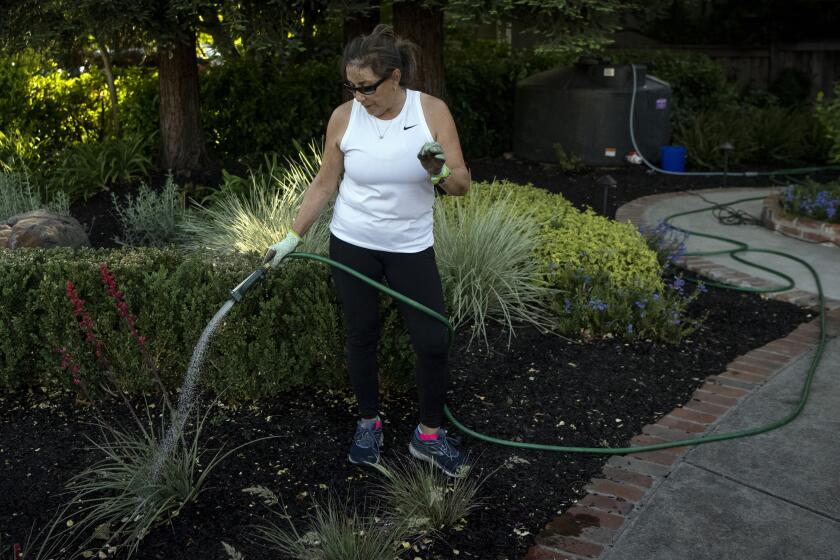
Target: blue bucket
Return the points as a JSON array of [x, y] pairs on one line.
[[673, 158]]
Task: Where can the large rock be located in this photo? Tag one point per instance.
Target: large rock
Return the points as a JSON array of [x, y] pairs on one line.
[[41, 228], [5, 234]]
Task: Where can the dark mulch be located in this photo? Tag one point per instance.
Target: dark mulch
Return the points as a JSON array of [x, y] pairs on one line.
[[543, 389]]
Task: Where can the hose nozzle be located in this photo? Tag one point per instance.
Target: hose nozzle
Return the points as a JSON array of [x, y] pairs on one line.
[[238, 292]]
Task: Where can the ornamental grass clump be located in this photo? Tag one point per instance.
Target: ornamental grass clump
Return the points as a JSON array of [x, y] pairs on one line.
[[484, 245], [249, 220], [424, 498], [120, 498], [334, 533], [818, 201]]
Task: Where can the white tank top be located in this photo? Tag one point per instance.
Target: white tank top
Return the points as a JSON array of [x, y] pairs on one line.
[[385, 198]]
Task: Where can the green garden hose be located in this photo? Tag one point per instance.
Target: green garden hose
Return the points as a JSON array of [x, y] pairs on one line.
[[734, 253]]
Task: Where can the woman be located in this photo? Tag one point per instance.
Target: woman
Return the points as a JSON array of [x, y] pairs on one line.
[[389, 146]]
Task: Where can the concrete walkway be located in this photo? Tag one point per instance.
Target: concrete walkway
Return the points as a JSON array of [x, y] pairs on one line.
[[824, 258], [771, 496]]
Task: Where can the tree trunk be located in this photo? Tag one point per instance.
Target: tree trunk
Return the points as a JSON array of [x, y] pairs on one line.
[[359, 23], [182, 146], [112, 89], [423, 26]]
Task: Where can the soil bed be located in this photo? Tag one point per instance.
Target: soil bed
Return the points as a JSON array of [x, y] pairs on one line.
[[543, 389]]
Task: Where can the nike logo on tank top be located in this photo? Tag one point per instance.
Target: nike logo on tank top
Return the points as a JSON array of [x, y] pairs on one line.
[[385, 198]]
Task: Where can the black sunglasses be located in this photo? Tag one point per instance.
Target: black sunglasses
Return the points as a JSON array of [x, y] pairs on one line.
[[365, 90]]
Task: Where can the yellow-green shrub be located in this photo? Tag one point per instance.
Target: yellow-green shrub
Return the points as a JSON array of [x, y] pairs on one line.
[[584, 241]]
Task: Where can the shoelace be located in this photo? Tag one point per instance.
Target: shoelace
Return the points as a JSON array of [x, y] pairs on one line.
[[365, 438], [446, 444]]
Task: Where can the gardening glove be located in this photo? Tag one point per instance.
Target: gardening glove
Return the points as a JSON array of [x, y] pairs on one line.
[[284, 247], [432, 158]]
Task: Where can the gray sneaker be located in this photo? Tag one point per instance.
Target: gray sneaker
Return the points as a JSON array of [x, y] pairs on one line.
[[366, 444], [440, 452]]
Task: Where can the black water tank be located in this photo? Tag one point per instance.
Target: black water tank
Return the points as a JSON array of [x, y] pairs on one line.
[[586, 109]]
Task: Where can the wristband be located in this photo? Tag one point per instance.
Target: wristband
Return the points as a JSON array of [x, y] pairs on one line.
[[293, 232], [444, 173]]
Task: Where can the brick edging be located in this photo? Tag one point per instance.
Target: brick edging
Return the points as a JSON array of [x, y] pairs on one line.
[[775, 218], [592, 524]]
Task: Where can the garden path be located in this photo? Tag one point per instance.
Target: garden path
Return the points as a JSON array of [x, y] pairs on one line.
[[825, 258]]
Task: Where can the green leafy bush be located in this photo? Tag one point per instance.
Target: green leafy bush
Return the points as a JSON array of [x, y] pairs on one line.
[[606, 276], [828, 113], [139, 101], [287, 333], [88, 168], [19, 152], [151, 219], [250, 109], [570, 239], [64, 110], [770, 134]]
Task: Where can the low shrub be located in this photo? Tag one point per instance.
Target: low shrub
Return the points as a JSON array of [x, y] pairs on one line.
[[151, 219], [17, 195], [286, 333], [594, 307], [570, 239], [818, 201]]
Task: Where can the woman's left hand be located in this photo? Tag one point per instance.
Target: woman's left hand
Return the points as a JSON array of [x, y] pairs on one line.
[[432, 158]]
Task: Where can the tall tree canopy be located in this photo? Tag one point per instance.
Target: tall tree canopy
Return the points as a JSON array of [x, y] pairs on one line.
[[167, 29]]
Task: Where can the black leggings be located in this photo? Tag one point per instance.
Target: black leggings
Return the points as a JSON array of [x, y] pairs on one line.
[[416, 276]]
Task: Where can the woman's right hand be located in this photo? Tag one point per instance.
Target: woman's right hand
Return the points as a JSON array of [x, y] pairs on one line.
[[284, 247]]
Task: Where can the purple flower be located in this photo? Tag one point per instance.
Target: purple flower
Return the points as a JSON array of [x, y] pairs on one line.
[[595, 303]]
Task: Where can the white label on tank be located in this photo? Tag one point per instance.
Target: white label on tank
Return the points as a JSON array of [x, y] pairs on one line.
[[609, 152], [609, 72], [661, 103]]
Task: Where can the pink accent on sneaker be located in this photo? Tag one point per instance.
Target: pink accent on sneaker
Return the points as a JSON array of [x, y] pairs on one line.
[[427, 437], [378, 424]]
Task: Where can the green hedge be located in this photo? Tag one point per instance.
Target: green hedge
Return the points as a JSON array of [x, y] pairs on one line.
[[286, 333], [250, 109]]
